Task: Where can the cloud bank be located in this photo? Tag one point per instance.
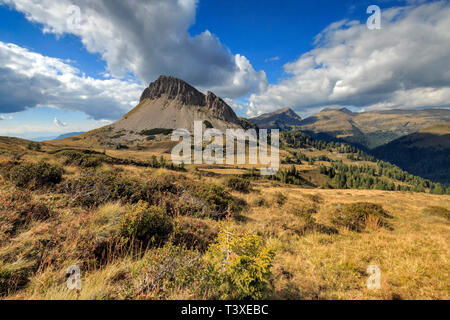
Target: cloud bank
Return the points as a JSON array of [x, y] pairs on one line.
[[406, 64], [148, 38], [29, 79]]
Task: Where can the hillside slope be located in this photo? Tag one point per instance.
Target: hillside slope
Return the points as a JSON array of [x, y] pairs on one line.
[[425, 153], [91, 214]]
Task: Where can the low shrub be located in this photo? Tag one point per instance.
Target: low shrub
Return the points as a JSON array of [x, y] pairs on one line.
[[208, 124], [316, 198], [81, 159], [355, 216], [312, 227], [14, 276], [33, 175], [279, 198], [165, 273], [189, 205], [17, 210], [305, 211], [239, 267], [163, 182], [93, 188], [193, 233], [437, 211], [238, 184], [155, 131], [260, 202], [145, 223], [219, 202], [36, 146]]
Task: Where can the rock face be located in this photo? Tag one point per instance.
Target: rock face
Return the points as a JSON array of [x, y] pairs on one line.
[[280, 119], [173, 88], [171, 103]]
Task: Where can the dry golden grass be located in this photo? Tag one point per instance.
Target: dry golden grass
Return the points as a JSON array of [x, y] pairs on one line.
[[413, 256]]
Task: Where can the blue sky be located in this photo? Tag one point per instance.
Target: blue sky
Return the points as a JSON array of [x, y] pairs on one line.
[[259, 55], [262, 30]]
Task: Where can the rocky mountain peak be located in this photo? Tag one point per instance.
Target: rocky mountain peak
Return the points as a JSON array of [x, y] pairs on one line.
[[174, 88], [219, 108]]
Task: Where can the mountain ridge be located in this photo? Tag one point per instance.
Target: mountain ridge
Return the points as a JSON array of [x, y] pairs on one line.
[[372, 128], [284, 118]]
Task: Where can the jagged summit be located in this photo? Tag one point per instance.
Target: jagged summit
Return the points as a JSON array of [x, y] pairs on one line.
[[174, 88], [172, 103]]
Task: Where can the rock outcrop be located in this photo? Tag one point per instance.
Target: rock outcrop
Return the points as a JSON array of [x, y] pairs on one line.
[[171, 103]]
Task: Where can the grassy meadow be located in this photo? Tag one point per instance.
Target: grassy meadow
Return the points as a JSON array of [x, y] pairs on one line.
[[142, 230]]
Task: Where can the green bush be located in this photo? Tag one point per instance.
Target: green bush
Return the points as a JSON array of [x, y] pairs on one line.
[[218, 201], [280, 198], [193, 233], [238, 267], [163, 273], [155, 131], [354, 215], [208, 124], [36, 146], [438, 211], [78, 158], [93, 188], [305, 211], [18, 210], [14, 276], [260, 202], [238, 184], [33, 175], [147, 224]]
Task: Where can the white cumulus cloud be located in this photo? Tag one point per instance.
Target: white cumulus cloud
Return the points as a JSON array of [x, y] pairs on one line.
[[148, 38], [59, 123], [29, 79], [406, 64]]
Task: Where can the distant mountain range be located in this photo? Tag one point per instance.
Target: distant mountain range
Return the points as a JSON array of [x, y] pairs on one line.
[[63, 136], [366, 129], [374, 128]]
